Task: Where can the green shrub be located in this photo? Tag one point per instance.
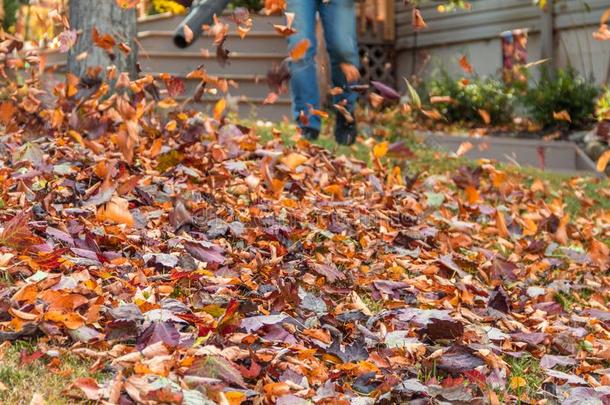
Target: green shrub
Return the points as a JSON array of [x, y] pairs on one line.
[[253, 5], [468, 98], [10, 13], [562, 90]]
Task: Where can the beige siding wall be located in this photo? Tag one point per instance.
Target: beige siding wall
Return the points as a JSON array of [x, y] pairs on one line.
[[476, 34]]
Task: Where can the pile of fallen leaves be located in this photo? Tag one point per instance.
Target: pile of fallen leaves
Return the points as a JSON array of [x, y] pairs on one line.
[[195, 263]]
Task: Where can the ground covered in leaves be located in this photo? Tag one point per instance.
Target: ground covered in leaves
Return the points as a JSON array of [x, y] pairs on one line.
[[188, 261]]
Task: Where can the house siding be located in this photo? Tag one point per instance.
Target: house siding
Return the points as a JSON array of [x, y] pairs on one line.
[[476, 33]]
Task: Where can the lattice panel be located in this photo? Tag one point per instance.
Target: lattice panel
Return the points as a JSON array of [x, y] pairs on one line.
[[377, 63]]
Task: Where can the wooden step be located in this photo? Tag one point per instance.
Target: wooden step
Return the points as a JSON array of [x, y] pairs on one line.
[[256, 41], [251, 86], [181, 62], [169, 22]]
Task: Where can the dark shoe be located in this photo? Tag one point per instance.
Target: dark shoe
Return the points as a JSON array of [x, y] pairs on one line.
[[345, 132], [311, 134]]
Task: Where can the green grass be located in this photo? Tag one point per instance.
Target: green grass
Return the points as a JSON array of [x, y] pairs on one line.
[[23, 381], [528, 368], [428, 161]]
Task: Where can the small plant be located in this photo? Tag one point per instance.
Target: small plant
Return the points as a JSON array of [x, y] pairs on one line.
[[562, 98], [474, 100]]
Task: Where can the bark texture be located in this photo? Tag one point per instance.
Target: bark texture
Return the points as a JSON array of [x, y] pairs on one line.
[[107, 18]]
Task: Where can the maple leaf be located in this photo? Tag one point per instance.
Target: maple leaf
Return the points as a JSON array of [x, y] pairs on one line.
[[17, 233]]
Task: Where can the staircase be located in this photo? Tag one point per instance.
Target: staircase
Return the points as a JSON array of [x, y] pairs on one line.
[[249, 61]]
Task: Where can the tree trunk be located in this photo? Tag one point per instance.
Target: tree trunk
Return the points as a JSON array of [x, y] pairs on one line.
[[107, 18]]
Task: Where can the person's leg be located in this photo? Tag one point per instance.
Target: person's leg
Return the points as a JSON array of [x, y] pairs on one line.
[[339, 21], [304, 81]]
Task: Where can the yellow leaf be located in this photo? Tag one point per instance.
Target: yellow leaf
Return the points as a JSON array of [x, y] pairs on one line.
[[167, 103], [562, 115], [380, 150], [603, 160], [517, 382], [219, 108], [529, 227], [234, 397], [294, 160]]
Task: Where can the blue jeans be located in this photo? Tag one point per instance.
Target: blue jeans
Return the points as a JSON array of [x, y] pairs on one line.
[[339, 22]]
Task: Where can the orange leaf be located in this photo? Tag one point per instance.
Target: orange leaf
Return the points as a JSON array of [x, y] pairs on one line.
[[472, 194], [485, 116], [417, 21], [464, 148], [530, 228], [433, 114], [116, 210], [294, 160], [501, 225], [106, 41], [562, 115], [6, 112], [219, 108], [465, 65], [127, 3], [380, 150], [70, 320], [243, 31], [284, 30], [271, 98], [603, 160], [300, 49]]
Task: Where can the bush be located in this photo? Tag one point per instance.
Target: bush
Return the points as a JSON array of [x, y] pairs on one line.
[[466, 98], [562, 90]]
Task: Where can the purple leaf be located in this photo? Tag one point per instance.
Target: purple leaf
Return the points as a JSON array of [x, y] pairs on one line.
[[499, 300], [550, 361], [254, 323], [158, 332], [352, 353], [386, 91], [205, 251], [532, 339], [570, 378], [458, 359], [329, 271], [443, 329]]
